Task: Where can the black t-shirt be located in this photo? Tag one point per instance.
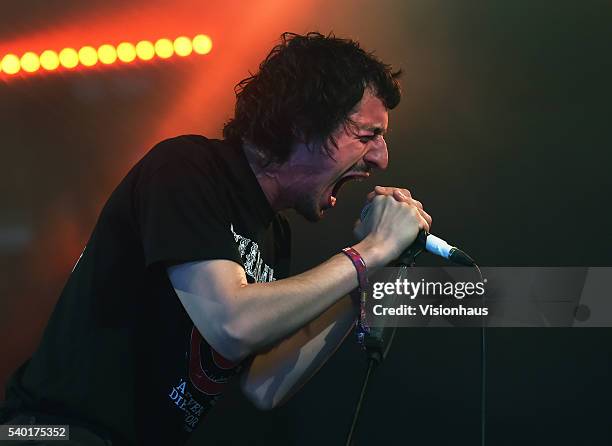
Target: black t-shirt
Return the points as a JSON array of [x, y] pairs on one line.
[[120, 352]]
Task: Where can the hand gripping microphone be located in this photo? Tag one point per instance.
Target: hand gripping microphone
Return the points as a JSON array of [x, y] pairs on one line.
[[430, 243]]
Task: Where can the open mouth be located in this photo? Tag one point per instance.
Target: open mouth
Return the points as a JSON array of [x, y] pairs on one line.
[[341, 182]]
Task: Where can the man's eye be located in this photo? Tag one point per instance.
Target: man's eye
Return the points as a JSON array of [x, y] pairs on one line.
[[366, 138]]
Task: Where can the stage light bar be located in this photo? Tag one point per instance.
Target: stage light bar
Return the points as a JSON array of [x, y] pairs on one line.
[[88, 56]]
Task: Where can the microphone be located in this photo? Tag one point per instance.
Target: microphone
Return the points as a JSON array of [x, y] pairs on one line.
[[432, 244]]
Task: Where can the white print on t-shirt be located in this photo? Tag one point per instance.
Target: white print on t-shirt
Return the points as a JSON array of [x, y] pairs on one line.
[[184, 401], [251, 256]]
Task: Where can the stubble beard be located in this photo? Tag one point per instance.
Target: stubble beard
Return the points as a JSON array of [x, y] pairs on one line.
[[308, 207]]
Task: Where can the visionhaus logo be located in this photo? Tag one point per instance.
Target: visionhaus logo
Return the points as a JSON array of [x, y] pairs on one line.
[[428, 310]]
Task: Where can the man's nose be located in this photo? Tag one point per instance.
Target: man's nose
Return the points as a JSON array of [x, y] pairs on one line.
[[378, 156]]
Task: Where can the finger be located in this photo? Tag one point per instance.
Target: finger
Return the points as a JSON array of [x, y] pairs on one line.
[[404, 195], [426, 216], [379, 190], [389, 190], [419, 217], [406, 192], [399, 196], [423, 223]]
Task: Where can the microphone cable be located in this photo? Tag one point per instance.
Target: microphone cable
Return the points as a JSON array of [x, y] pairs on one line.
[[483, 371], [377, 346], [377, 351]]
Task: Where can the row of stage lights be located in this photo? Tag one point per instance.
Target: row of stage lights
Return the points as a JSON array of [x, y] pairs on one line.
[[89, 56]]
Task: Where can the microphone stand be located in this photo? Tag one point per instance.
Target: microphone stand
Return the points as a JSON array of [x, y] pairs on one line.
[[378, 341]]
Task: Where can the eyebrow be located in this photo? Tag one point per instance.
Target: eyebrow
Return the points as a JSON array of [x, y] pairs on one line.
[[374, 129]]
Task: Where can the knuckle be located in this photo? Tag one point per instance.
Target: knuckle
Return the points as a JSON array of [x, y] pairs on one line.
[[386, 198], [379, 198]]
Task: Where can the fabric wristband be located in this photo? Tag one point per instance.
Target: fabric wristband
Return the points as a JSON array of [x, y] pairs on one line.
[[360, 266], [361, 327]]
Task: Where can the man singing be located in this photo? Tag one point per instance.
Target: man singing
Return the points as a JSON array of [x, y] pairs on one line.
[[184, 281]]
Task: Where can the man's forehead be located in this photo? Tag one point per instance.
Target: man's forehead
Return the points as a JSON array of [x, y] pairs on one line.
[[370, 114]]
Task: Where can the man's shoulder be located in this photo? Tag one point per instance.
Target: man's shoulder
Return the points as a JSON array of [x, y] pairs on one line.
[[188, 140], [196, 150], [184, 147]]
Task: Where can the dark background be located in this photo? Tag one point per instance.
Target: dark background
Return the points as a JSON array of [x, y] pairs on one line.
[[503, 133]]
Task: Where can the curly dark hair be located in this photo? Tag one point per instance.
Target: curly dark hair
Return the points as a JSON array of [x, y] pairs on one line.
[[304, 90]]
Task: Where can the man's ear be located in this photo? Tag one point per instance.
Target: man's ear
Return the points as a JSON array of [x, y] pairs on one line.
[[258, 158]]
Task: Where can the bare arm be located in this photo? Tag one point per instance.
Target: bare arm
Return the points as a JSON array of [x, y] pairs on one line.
[[239, 319], [275, 375]]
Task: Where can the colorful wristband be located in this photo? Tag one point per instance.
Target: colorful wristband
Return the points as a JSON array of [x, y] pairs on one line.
[[361, 327], [360, 266]]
